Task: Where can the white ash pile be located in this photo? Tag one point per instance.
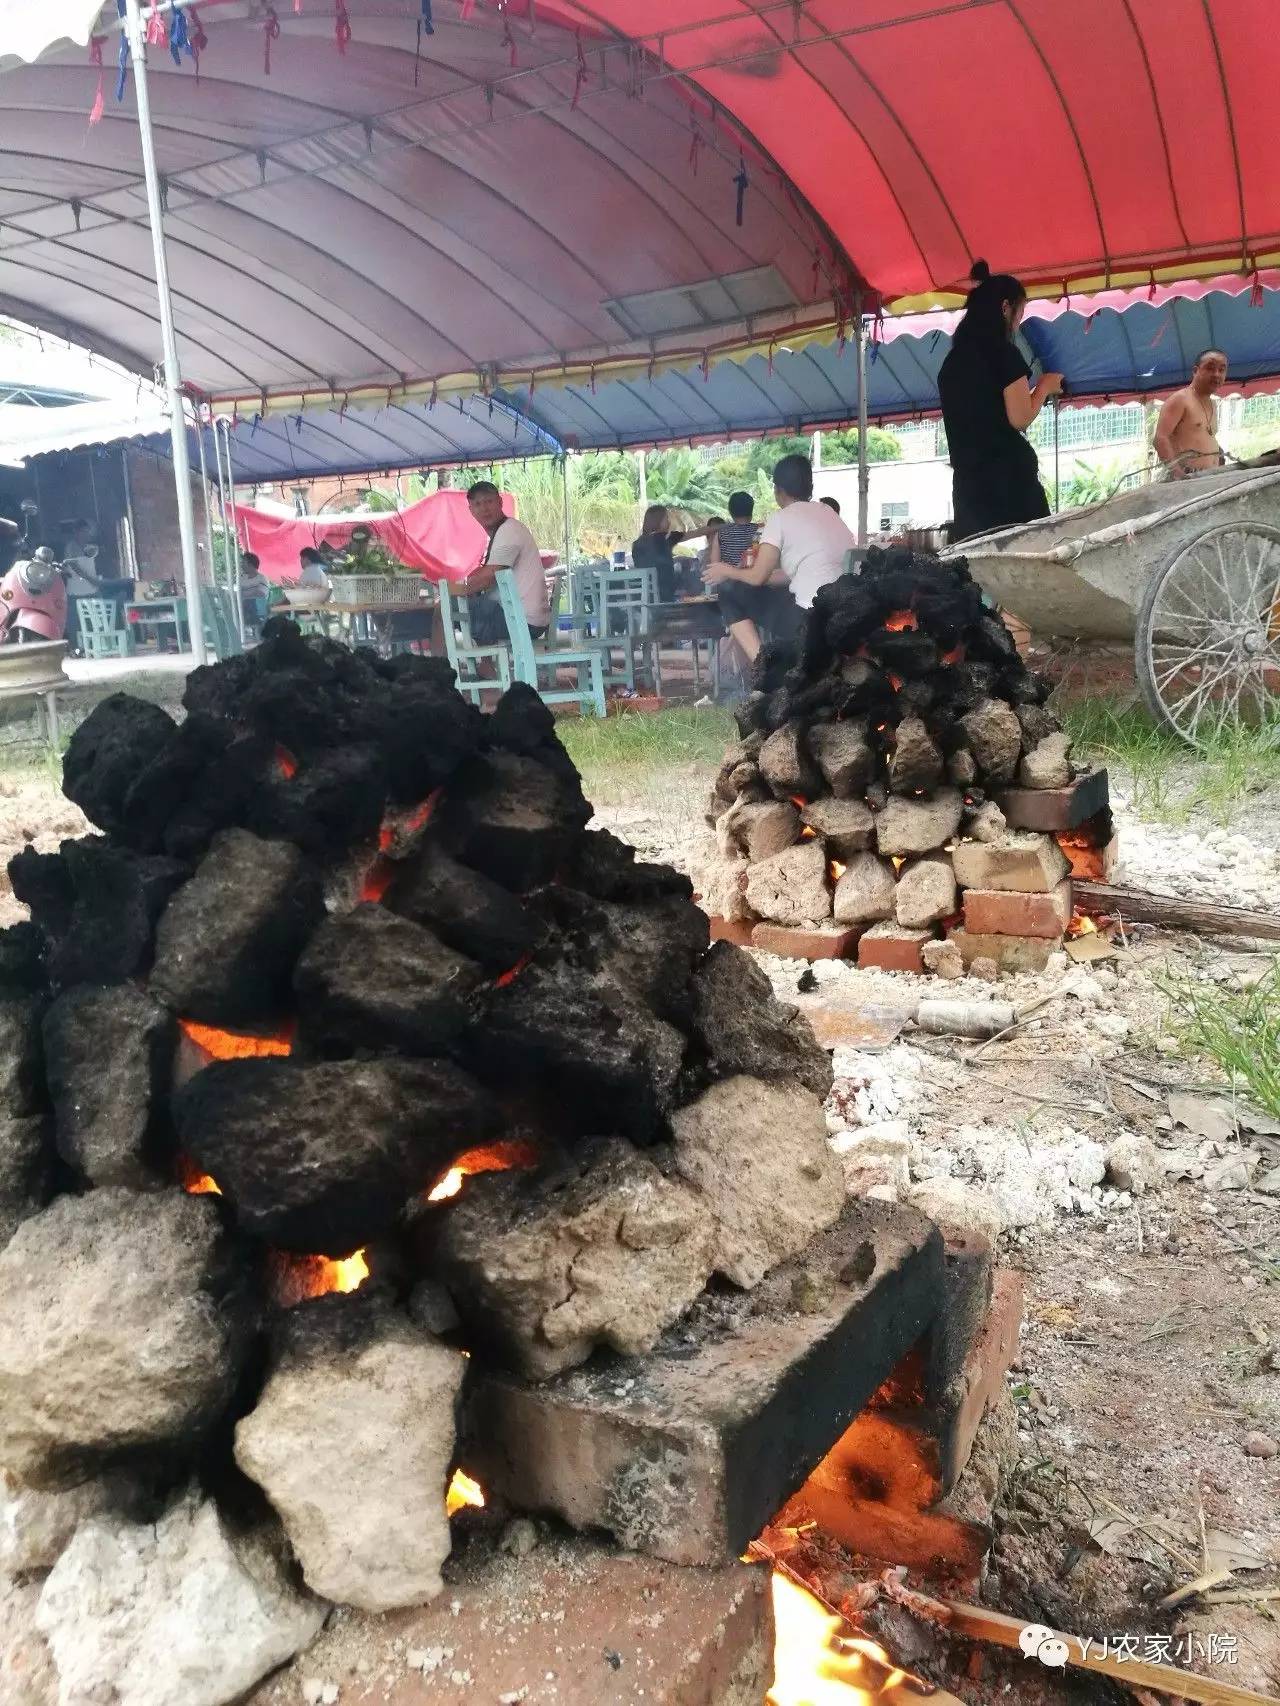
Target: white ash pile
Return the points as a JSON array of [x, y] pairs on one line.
[[899, 780]]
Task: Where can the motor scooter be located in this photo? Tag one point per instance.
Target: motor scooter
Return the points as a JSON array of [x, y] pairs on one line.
[[33, 600]]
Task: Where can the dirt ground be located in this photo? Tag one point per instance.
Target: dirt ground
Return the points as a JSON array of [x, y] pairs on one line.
[[1151, 1349]]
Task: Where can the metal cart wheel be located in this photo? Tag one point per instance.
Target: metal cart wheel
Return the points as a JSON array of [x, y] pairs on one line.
[[1208, 634]]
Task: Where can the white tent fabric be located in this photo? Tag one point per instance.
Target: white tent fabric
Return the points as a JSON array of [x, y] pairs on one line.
[[29, 27], [33, 432]]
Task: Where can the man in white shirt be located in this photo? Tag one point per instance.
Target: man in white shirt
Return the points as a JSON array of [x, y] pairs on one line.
[[802, 547], [511, 546]]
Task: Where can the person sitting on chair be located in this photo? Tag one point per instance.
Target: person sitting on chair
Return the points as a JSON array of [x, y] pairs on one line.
[[655, 547], [802, 546], [732, 541], [510, 546]]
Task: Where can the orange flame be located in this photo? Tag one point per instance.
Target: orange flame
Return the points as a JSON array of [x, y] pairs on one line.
[[799, 802], [194, 1182], [1086, 859], [895, 681], [503, 1157], [955, 655], [512, 973], [808, 833], [900, 621], [899, 860], [286, 763], [296, 1278], [1082, 925], [236, 1045], [819, 1662], [837, 870], [463, 1491]]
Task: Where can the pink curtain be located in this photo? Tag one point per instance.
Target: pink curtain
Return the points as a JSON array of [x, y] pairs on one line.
[[437, 536]]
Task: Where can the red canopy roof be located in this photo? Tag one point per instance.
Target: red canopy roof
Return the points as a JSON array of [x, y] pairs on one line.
[[590, 188]]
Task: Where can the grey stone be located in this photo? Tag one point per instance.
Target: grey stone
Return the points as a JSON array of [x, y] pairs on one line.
[[918, 826], [108, 1054], [744, 1028], [786, 765], [1134, 1163], [368, 979], [36, 1523], [988, 823], [28, 1675], [20, 1058], [995, 738], [227, 942], [757, 1152], [943, 959], [26, 1167], [864, 893], [763, 830], [351, 1441], [721, 884], [430, 1305], [843, 755], [116, 1331], [846, 827], [1047, 764], [962, 768], [320, 1159], [958, 1208], [791, 888], [926, 892], [1036, 724], [172, 1613], [1020, 862], [915, 761], [604, 1251]]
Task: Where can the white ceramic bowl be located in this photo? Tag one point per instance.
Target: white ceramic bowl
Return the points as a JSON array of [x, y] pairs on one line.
[[308, 597]]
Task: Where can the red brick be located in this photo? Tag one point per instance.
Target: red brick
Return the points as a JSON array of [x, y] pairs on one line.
[[1054, 808], [1011, 953], [792, 943], [981, 1379], [999, 912], [736, 930], [889, 947], [572, 1623]]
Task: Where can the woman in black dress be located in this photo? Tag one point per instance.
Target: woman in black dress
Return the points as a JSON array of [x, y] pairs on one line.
[[656, 544], [988, 402]]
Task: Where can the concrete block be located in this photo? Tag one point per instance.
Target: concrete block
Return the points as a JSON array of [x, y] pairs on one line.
[[1010, 953], [1055, 809], [829, 942], [999, 912], [890, 947], [1022, 861], [687, 1453]]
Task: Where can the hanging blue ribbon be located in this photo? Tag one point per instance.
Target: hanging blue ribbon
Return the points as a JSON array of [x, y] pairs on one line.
[[428, 27], [180, 37], [122, 64]]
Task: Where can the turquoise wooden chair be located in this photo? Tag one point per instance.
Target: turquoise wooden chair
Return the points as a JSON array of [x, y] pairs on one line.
[[102, 634], [217, 611], [464, 654], [535, 660], [622, 599]]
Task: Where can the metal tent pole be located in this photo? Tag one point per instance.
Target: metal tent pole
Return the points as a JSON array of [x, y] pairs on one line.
[[564, 476], [864, 467], [1057, 482], [208, 502], [172, 369], [235, 573], [222, 492]]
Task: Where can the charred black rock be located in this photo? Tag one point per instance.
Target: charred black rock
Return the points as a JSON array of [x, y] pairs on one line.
[[108, 1055], [465, 909], [607, 869], [512, 818], [334, 801], [116, 741], [744, 1028]]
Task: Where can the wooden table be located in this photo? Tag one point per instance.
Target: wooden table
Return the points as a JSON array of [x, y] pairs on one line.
[[160, 613], [373, 617]]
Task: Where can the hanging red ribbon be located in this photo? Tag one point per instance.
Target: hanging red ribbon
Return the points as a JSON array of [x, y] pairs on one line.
[[341, 25], [297, 5], [95, 58], [157, 31], [581, 74], [468, 6], [196, 37], [270, 33]]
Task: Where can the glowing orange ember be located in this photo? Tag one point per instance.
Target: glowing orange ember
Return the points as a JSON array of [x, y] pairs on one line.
[[1082, 926], [194, 1182], [900, 621], [895, 681], [286, 763], [837, 870], [799, 802], [512, 973], [294, 1279], [1087, 861], [463, 1491], [236, 1045], [808, 833], [377, 879], [502, 1157], [955, 655], [397, 829]]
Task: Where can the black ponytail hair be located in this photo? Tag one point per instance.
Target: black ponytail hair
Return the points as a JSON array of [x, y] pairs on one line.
[[984, 319]]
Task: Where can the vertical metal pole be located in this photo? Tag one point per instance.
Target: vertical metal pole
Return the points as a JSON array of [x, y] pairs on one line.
[[564, 474], [236, 569], [172, 368], [204, 488], [1057, 483], [130, 530], [864, 468], [222, 496], [643, 465]]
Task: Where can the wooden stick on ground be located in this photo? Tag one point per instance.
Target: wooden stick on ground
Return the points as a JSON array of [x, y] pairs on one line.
[[983, 1625], [1101, 899]]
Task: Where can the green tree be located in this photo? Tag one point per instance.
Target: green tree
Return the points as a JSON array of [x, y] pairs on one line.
[[683, 482], [839, 448]]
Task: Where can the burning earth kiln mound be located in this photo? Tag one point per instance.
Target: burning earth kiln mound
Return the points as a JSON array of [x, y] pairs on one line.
[[345, 1005], [898, 779]]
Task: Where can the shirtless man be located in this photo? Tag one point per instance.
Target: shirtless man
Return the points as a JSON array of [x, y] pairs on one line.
[[1187, 431]]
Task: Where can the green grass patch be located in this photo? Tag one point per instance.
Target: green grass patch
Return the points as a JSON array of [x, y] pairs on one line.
[[1164, 778], [1236, 1027], [635, 748]]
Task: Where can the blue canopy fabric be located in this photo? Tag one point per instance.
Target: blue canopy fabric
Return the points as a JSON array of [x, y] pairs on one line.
[[1107, 356]]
